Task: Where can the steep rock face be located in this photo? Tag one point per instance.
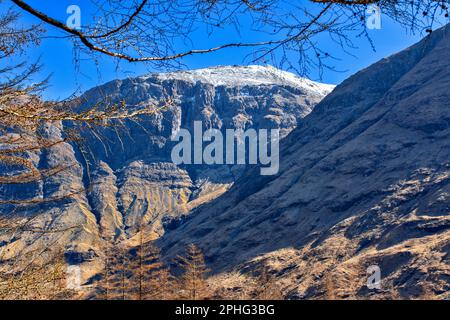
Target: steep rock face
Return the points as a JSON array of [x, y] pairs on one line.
[[61, 223], [364, 180], [122, 175], [148, 184]]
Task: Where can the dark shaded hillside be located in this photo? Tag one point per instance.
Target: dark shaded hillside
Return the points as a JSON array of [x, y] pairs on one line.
[[123, 174], [364, 179]]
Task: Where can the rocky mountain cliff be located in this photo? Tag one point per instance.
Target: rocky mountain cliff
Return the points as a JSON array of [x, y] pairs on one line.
[[123, 173], [364, 181], [138, 157]]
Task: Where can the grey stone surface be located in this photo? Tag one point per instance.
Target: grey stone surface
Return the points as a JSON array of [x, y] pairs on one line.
[[363, 177], [123, 173]]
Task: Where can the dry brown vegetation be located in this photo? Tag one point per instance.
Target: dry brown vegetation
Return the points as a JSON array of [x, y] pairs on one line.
[[139, 274], [34, 273], [142, 31], [38, 274], [128, 273], [24, 114], [134, 274]]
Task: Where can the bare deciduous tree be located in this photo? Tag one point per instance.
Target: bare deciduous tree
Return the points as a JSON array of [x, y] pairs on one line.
[[151, 279], [23, 113], [162, 32], [135, 273], [34, 275], [193, 284]]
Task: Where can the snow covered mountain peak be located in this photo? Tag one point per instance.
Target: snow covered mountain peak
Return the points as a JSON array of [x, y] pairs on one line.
[[234, 76]]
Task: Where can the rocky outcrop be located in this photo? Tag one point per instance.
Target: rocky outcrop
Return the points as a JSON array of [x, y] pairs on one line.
[[364, 180], [122, 174]]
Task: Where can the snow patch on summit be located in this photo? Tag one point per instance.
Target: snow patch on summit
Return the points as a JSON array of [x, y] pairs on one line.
[[236, 76]]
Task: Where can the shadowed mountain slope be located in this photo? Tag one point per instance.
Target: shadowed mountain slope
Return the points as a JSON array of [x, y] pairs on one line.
[[123, 174], [364, 180]]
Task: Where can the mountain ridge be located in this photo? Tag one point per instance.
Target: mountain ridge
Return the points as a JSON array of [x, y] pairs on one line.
[[123, 173], [359, 180]]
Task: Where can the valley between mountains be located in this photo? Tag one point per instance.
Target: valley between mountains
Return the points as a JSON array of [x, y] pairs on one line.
[[364, 179]]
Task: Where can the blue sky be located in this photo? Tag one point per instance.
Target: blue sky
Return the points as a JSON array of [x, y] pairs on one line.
[[58, 59]]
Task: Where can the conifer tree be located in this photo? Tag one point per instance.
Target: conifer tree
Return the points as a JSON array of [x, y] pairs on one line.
[[164, 285], [116, 275], [193, 280], [104, 286], [146, 266]]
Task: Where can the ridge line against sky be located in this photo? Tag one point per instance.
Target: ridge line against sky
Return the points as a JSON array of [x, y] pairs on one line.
[[67, 78]]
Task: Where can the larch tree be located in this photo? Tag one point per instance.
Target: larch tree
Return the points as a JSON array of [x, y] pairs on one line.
[[121, 275], [152, 31], [23, 113], [146, 266], [36, 278], [193, 281], [134, 273]]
